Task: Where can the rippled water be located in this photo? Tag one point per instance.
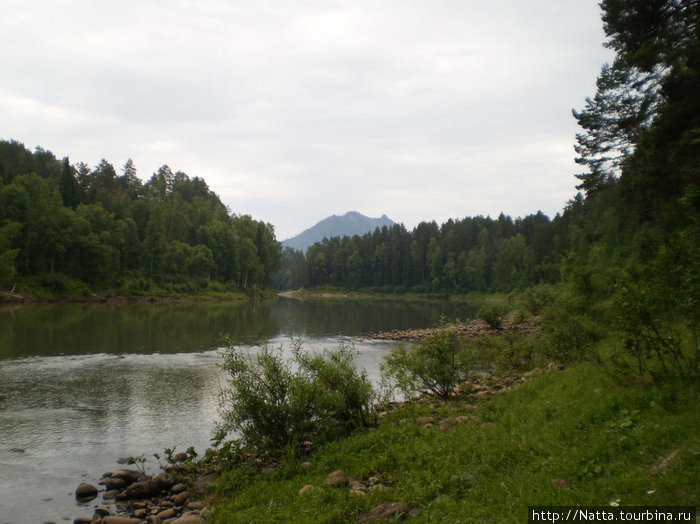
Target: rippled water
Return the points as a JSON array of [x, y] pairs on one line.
[[82, 386]]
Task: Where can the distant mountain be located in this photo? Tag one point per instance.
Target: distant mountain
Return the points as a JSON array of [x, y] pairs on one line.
[[350, 224]]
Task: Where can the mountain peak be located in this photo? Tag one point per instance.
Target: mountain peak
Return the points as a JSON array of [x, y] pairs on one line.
[[350, 224]]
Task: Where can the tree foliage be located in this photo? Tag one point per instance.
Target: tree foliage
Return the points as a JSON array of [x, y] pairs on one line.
[[113, 231], [274, 401], [471, 254]]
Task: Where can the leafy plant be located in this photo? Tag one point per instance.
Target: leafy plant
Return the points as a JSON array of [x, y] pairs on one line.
[[139, 462], [274, 402], [436, 364], [492, 313]]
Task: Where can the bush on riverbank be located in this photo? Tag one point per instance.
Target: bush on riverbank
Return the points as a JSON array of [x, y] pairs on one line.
[[276, 403], [436, 364]]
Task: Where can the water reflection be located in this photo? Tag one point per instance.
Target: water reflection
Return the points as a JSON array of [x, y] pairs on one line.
[[75, 329]]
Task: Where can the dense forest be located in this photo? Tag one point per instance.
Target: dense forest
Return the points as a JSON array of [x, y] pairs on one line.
[[472, 254], [68, 230]]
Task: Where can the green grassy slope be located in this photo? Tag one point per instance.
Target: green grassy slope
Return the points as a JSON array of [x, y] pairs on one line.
[[572, 436]]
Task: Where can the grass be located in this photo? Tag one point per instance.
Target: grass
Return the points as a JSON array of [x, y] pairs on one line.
[[582, 435]]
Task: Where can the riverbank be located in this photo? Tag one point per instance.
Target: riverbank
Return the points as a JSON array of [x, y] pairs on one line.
[[510, 323], [129, 496], [554, 436], [475, 298], [110, 297]]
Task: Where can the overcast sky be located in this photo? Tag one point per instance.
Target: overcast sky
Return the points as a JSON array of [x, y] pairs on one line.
[[296, 110]]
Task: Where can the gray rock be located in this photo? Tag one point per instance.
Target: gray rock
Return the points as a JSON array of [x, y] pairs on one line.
[[139, 490], [102, 511], [189, 519], [181, 498], [85, 492], [129, 475], [447, 423], [337, 478], [120, 520], [383, 511], [115, 483], [177, 488], [202, 482], [306, 489], [162, 481], [167, 514]]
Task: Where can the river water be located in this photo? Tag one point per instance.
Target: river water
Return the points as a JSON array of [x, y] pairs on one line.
[[84, 385]]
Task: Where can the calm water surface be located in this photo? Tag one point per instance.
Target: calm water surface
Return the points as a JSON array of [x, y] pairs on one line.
[[83, 385]]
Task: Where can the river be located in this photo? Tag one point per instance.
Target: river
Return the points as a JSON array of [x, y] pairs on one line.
[[82, 385]]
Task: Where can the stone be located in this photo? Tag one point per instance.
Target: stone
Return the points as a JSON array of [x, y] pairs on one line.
[[120, 520], [129, 475], [109, 495], [103, 511], [562, 483], [166, 514], [205, 480], [85, 492], [425, 420], [177, 488], [206, 513], [336, 479], [115, 483], [82, 520], [162, 481], [488, 424], [357, 484], [447, 423], [306, 465], [154, 520], [195, 506], [189, 519], [180, 457], [383, 511], [181, 498], [139, 490], [306, 489]]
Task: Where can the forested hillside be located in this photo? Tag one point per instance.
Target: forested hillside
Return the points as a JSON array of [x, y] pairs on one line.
[[461, 255], [68, 229]]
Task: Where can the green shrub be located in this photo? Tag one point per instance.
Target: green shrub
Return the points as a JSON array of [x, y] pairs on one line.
[[274, 402], [436, 364], [509, 353], [492, 313], [56, 286], [535, 299], [572, 327]]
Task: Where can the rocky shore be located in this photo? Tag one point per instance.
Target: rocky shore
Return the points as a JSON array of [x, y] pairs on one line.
[[131, 497], [473, 328]]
